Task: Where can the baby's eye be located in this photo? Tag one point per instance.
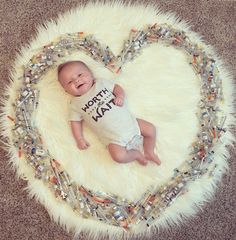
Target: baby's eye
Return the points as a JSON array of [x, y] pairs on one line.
[[79, 74], [69, 82]]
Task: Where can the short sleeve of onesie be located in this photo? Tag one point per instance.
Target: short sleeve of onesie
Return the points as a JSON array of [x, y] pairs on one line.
[[110, 84], [74, 115]]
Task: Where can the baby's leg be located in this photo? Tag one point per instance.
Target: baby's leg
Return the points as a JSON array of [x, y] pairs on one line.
[[148, 131], [122, 155]]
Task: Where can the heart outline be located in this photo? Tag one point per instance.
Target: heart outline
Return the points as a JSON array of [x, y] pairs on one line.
[[114, 66]]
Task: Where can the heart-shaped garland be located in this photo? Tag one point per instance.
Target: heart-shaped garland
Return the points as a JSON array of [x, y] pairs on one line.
[[105, 207]]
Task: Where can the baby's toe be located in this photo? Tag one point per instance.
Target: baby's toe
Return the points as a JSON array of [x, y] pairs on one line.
[[153, 157], [143, 162]]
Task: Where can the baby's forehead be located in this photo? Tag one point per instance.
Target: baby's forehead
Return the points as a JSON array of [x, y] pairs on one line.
[[67, 69], [72, 66]]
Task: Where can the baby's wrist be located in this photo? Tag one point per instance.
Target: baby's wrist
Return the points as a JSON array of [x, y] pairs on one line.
[[121, 97]]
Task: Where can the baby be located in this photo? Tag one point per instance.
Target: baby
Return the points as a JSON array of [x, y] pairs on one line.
[[102, 104]]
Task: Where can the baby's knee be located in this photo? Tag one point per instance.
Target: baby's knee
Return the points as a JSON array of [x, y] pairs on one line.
[[119, 157], [117, 154], [151, 130]]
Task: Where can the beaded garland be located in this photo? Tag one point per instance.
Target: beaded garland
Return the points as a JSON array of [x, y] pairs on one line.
[[109, 208]]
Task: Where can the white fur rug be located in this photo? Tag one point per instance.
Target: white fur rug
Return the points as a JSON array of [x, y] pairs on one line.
[[161, 87]]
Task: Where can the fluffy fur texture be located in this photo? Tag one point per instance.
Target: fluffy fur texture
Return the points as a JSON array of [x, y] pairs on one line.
[[160, 87]]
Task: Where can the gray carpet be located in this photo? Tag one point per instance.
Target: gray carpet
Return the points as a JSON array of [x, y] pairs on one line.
[[23, 218]]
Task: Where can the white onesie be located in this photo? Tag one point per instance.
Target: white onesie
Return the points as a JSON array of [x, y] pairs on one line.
[[112, 123]]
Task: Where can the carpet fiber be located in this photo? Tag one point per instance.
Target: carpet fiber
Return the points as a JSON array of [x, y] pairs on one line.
[[163, 233]]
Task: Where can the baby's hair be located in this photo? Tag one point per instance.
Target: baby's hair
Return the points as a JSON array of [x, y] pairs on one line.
[[61, 66]]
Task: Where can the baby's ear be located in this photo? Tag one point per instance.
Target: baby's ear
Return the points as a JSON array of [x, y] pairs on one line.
[[59, 68]]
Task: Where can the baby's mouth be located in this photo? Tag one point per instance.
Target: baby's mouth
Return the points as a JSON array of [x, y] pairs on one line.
[[80, 85]]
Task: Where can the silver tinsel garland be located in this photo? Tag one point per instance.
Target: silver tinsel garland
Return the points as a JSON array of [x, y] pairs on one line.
[[109, 208]]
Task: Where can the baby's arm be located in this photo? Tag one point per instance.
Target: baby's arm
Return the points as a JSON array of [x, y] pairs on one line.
[[76, 127], [119, 95]]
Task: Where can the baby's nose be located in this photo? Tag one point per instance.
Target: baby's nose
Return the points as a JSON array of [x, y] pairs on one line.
[[76, 80]]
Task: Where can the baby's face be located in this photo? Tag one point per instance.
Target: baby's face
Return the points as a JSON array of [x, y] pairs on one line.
[[76, 78]]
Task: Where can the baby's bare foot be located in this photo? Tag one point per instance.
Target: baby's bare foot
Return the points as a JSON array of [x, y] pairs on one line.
[[152, 157], [141, 159]]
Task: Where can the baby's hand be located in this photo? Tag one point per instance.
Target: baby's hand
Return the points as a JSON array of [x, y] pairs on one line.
[[82, 144], [119, 101]]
